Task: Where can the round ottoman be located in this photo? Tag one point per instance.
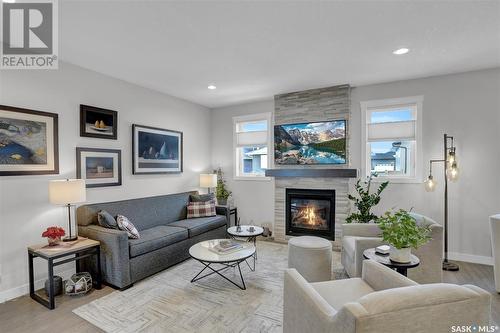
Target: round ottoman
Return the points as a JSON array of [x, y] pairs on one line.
[[311, 257]]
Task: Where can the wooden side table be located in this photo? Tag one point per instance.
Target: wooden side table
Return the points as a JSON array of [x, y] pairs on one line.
[[401, 268], [58, 255]]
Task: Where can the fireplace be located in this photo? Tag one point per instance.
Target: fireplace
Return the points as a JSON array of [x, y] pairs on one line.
[[310, 212]]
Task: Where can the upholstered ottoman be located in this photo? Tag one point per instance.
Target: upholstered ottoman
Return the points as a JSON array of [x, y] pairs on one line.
[[311, 257]]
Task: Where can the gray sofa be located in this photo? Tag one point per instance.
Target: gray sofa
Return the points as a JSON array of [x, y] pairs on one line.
[[165, 236]]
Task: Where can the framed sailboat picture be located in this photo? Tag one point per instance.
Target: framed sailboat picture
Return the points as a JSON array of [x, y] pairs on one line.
[[28, 142], [156, 150]]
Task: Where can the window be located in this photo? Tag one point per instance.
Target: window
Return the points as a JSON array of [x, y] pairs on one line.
[[392, 138], [251, 145]]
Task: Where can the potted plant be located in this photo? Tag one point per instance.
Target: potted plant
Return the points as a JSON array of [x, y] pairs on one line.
[[221, 192], [365, 201], [53, 235], [402, 233]]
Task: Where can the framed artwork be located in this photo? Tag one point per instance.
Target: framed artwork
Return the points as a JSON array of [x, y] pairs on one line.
[[98, 123], [99, 167], [156, 150], [28, 142]]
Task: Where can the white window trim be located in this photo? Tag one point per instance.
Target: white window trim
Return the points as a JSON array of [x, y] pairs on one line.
[[381, 103], [246, 118]]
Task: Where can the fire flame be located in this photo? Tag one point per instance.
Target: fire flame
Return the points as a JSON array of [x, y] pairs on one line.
[[310, 215]]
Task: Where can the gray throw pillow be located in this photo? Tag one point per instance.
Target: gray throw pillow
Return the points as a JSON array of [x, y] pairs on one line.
[[106, 220], [202, 197]]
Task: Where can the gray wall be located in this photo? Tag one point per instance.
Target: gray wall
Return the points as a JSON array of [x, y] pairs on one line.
[[25, 210], [466, 105]]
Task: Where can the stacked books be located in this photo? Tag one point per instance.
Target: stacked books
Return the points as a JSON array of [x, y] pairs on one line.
[[226, 246]]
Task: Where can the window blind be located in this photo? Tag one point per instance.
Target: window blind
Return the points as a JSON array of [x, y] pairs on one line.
[[400, 130], [254, 138]]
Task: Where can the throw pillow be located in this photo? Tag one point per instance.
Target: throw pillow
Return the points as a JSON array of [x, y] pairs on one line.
[[106, 220], [201, 209], [125, 225], [201, 197]]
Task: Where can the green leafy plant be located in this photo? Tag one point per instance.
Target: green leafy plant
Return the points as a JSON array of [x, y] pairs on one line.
[[221, 191], [365, 201], [401, 230]]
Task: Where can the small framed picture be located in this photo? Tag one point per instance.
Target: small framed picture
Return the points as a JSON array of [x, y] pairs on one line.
[[99, 167], [28, 142], [98, 123], [156, 150]]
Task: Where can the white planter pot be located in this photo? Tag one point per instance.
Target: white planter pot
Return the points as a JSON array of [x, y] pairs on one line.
[[400, 255]]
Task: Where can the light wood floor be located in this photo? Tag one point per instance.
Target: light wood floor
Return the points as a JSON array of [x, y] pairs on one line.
[[25, 315]]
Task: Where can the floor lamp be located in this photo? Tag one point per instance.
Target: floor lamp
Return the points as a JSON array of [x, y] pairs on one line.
[[450, 174]]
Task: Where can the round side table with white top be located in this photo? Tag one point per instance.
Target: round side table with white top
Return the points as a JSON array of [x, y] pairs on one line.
[[248, 233]]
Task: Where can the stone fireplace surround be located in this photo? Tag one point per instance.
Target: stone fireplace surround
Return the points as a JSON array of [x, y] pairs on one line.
[[324, 104]]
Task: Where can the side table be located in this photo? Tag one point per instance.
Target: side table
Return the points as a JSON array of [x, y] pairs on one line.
[[401, 268], [79, 249], [232, 211]]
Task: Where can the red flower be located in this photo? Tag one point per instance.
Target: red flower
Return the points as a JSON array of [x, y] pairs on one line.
[[53, 232]]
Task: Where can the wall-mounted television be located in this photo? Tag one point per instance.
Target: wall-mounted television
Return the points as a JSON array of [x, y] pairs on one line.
[[310, 143]]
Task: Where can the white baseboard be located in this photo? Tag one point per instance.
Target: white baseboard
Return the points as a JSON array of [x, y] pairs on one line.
[[470, 258], [22, 290]]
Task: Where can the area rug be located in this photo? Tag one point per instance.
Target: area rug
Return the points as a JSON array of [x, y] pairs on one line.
[[168, 302]]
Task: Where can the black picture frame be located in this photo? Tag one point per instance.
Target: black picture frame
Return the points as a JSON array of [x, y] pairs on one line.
[[138, 161], [52, 144], [96, 182], [90, 114]]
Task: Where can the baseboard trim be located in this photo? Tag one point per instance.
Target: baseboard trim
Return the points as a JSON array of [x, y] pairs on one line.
[[470, 258], [22, 290]]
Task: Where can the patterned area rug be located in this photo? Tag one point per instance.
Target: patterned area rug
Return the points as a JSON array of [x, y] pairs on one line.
[[168, 302]]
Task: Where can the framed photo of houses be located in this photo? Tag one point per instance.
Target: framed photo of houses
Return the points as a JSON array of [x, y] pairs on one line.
[[28, 142], [156, 150], [99, 167], [98, 123]]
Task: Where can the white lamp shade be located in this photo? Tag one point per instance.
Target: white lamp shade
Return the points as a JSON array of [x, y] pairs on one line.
[[208, 180], [67, 191]]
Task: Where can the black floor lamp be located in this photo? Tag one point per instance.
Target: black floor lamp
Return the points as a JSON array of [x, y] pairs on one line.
[[450, 174]]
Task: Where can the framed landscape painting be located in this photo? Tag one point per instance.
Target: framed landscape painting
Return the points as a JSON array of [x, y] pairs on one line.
[[156, 150], [98, 123], [28, 142], [99, 167]]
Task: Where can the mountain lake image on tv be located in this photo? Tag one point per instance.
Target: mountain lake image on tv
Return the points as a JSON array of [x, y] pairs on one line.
[[310, 143]]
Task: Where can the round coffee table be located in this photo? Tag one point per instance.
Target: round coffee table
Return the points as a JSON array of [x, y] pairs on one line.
[[249, 236], [203, 252], [384, 259]]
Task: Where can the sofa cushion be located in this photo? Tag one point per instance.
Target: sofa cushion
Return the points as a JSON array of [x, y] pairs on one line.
[[202, 197], [338, 292], [197, 226], [106, 220], [155, 238]]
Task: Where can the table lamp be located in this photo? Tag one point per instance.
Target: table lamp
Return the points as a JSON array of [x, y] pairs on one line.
[[208, 180], [67, 192]]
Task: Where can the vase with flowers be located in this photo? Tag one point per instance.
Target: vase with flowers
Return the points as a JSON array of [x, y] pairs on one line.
[[53, 235]]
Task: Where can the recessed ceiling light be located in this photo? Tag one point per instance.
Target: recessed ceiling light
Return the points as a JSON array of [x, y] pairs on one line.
[[401, 51], [212, 87], [9, 1]]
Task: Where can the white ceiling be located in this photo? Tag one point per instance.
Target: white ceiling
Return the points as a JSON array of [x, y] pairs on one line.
[[253, 50]]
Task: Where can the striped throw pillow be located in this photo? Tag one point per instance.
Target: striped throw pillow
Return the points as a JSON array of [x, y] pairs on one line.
[[125, 225], [201, 209]]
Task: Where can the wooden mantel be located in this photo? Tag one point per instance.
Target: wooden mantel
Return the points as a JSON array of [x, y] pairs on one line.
[[312, 173]]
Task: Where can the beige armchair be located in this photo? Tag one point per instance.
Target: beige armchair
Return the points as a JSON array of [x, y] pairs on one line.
[[357, 237], [381, 301]]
